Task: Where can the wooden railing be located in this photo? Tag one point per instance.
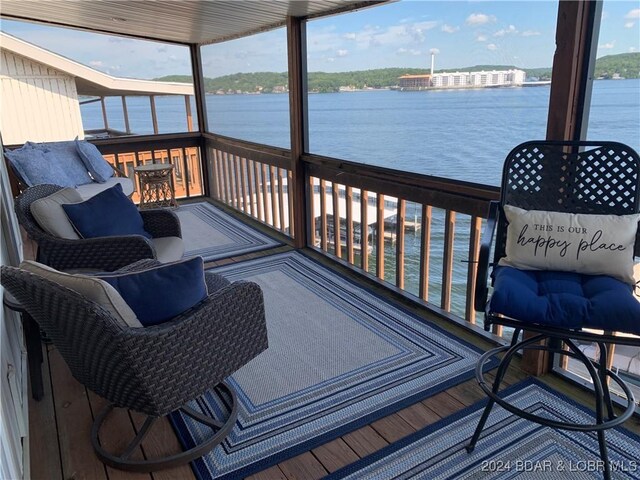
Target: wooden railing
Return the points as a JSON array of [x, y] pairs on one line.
[[374, 208], [180, 150], [253, 179]]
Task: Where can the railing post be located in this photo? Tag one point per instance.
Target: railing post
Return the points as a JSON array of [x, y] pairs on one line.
[[125, 113], [105, 120], [154, 115], [577, 32], [201, 110], [297, 61]]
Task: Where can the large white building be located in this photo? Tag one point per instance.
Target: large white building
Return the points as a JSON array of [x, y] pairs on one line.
[[493, 78]]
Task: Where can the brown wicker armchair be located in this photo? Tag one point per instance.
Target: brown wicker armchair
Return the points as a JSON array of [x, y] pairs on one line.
[[104, 253], [153, 370]]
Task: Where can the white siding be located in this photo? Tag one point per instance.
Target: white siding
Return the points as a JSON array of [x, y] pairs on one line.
[[14, 441], [37, 103]]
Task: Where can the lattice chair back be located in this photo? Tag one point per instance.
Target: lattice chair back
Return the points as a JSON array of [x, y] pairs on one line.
[[574, 177]]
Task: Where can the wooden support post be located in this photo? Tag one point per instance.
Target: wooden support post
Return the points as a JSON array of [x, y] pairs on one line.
[[323, 215], [577, 32], [337, 241], [297, 62], [364, 229], [201, 111], [349, 202], [125, 113], [105, 120], [475, 230], [187, 107], [154, 114]]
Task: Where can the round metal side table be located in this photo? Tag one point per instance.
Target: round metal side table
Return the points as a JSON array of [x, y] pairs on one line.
[[156, 185]]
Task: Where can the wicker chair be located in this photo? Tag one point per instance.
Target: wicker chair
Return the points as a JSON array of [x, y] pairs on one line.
[[154, 370], [104, 253], [572, 177]]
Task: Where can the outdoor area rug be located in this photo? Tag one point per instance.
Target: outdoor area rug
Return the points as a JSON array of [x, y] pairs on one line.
[[510, 447], [339, 358], [213, 234]]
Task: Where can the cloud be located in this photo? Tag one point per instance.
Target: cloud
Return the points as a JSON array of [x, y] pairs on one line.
[[492, 47], [415, 52], [449, 28], [629, 24], [506, 31], [342, 53], [530, 33], [481, 38], [435, 51], [349, 36], [479, 19], [401, 50], [607, 46], [632, 49], [96, 63], [633, 14]]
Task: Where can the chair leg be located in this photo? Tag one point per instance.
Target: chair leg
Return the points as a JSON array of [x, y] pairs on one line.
[[123, 461], [502, 370], [604, 381]]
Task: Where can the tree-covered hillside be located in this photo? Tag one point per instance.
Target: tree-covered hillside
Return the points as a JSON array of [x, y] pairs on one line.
[[625, 65]]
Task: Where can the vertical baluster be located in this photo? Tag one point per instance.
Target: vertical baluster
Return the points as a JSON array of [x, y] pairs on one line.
[[185, 172], [290, 202], [425, 248], [265, 194], [232, 180], [364, 229], [259, 203], [337, 241], [237, 174], [400, 220], [225, 177], [380, 236], [242, 167], [349, 202], [472, 267], [137, 156], [497, 330], [274, 208], [250, 182], [281, 199], [311, 212], [218, 172], [447, 260], [323, 215]]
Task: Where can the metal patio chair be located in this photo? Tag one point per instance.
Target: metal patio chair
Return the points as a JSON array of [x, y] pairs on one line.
[[103, 253], [572, 177], [153, 370]]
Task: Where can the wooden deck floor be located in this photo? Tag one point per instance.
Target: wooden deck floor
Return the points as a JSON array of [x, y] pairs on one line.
[[60, 425]]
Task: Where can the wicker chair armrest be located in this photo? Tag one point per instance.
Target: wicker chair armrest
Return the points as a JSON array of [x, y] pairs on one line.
[[102, 253], [179, 360], [160, 222], [481, 293]]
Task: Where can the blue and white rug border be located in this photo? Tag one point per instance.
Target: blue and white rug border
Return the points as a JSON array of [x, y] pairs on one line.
[[202, 473], [470, 410]]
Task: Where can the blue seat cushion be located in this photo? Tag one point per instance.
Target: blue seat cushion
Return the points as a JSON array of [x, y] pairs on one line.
[[565, 299], [163, 292], [107, 214]]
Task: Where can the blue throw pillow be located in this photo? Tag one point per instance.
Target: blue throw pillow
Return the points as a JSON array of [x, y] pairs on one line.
[[107, 214], [66, 156], [36, 167], [161, 293], [93, 160]]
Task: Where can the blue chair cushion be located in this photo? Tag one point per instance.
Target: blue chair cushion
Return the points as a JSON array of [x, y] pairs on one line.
[[35, 167], [107, 214], [93, 160], [163, 292], [565, 299], [66, 156]]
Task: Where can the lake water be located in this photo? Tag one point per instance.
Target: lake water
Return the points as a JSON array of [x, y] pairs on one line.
[[460, 134]]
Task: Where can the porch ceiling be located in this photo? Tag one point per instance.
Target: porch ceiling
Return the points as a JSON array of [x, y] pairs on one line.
[[193, 21]]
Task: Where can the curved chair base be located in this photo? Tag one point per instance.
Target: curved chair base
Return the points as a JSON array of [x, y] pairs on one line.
[[598, 373], [123, 461]]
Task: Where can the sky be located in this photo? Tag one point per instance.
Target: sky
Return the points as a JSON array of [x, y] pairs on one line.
[[401, 34]]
